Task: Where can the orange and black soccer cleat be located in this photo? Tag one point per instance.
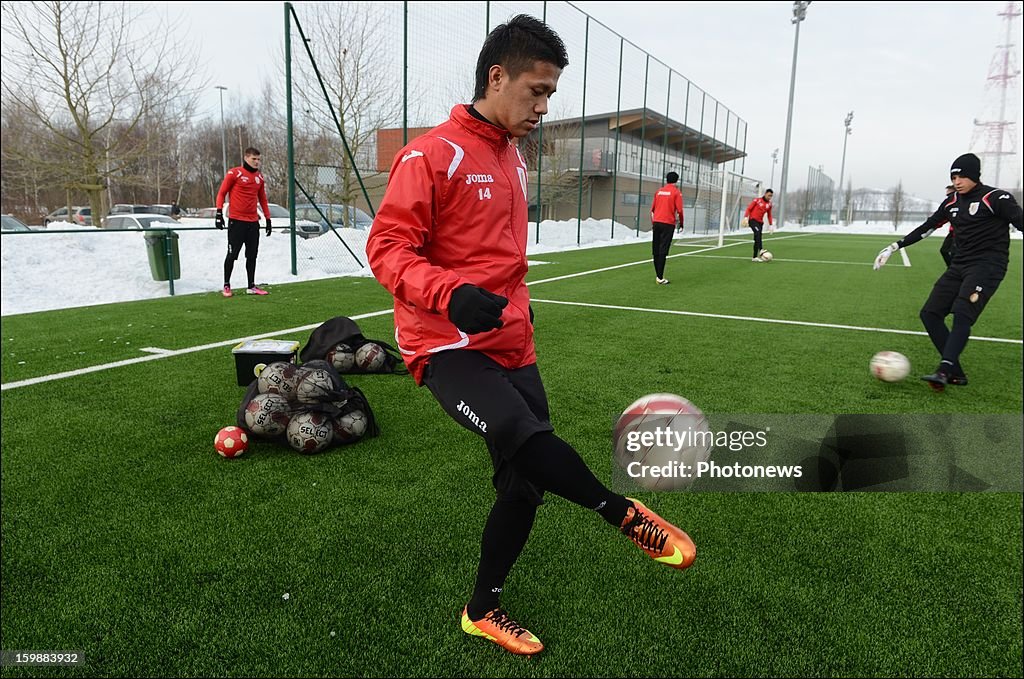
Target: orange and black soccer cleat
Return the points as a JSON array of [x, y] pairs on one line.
[[662, 541], [496, 626]]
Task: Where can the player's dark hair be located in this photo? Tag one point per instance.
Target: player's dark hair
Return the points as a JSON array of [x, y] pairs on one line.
[[251, 151], [672, 177], [767, 191], [515, 46]]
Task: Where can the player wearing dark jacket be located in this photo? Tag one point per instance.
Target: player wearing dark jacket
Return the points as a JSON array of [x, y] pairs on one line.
[[982, 216]]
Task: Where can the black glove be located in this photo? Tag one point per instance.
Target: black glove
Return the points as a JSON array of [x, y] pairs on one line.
[[268, 226], [531, 314], [474, 310], [218, 220]]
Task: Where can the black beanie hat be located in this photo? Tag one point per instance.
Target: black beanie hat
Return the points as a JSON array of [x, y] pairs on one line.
[[968, 165]]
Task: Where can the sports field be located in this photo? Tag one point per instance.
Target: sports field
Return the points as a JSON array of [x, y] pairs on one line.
[[125, 536]]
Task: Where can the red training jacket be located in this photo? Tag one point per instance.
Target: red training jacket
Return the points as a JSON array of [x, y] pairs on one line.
[[667, 203], [455, 212], [246, 188], [757, 209]]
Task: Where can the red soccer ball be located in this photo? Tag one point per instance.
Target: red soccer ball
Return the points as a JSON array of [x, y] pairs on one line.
[[231, 441]]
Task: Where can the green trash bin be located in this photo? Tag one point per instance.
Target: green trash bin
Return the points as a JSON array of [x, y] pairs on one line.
[[156, 248]]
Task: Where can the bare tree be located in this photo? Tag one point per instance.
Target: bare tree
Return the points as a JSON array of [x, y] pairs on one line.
[[560, 164], [91, 83], [848, 210], [897, 204], [800, 201], [350, 46]]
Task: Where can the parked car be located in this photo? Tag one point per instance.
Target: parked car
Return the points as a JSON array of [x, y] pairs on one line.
[[140, 221], [161, 209], [335, 212], [127, 209], [11, 223], [79, 215]]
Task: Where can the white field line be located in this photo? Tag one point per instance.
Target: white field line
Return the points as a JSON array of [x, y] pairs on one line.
[[155, 350], [168, 353], [903, 254], [648, 261], [780, 259], [756, 319]]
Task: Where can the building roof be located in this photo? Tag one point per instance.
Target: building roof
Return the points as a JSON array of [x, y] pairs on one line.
[[654, 126]]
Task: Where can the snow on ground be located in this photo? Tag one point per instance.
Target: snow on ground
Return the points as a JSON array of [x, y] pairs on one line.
[[46, 270]]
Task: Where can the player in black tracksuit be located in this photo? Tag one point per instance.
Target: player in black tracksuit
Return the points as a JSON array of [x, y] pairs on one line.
[[981, 216]]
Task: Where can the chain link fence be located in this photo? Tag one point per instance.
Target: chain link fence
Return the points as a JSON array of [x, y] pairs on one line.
[[367, 78]]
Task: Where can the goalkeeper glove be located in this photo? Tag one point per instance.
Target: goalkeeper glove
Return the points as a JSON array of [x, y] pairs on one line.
[[745, 222], [218, 220], [884, 255], [268, 226], [474, 310]]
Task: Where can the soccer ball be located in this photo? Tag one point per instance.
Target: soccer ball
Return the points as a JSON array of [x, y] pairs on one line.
[[766, 256], [278, 378], [314, 386], [890, 366], [310, 433], [370, 357], [659, 441], [342, 358], [267, 414], [350, 427], [231, 441]]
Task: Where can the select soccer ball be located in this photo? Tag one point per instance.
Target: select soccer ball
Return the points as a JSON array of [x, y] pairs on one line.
[[350, 427], [267, 414], [659, 441], [231, 441], [766, 256], [890, 366], [342, 358], [370, 357], [278, 378], [314, 386], [309, 433]]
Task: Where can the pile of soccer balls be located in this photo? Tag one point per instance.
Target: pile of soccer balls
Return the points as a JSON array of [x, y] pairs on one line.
[[368, 357], [310, 407]]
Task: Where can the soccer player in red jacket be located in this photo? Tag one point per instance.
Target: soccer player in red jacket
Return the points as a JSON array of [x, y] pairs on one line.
[[754, 214], [246, 187], [666, 206], [449, 243]]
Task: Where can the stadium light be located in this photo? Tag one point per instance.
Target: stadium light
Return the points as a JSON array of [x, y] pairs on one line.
[[775, 161], [799, 14], [842, 167], [223, 139]]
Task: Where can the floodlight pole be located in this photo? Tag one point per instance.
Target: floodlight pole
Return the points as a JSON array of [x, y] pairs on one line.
[[842, 167], [799, 14], [775, 161]]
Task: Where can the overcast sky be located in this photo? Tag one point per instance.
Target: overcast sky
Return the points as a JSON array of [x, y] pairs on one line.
[[914, 74]]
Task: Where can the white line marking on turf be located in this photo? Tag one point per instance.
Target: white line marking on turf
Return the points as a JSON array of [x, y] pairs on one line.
[[779, 259], [648, 261], [906, 260], [834, 326], [168, 353], [155, 350]]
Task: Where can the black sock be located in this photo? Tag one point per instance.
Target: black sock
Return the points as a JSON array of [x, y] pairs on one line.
[[250, 270], [956, 342], [553, 465], [504, 536], [229, 264]]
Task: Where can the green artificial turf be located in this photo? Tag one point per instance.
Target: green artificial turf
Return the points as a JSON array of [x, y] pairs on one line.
[[125, 536]]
